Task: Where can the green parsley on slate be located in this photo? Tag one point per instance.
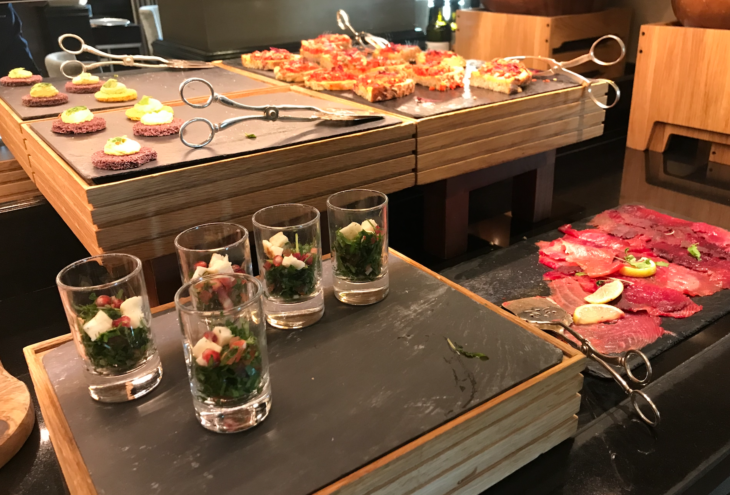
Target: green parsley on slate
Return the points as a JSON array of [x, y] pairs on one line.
[[237, 372], [359, 259], [467, 354]]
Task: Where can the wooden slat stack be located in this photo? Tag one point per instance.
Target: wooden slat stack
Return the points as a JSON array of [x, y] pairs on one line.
[[15, 184], [142, 216], [457, 143]]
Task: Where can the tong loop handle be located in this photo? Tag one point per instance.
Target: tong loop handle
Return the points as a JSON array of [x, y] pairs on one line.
[[211, 125], [596, 100], [647, 364], [213, 95], [597, 60], [657, 417], [84, 47]]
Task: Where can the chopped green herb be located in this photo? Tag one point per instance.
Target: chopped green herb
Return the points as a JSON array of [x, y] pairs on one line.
[[118, 140], [43, 85], [144, 101], [238, 372], [360, 258], [600, 282], [250, 136], [467, 354], [581, 274], [74, 110], [286, 281], [662, 263], [631, 260], [694, 251], [111, 83]]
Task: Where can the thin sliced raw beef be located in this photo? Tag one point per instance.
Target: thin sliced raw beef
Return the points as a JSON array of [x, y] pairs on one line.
[[587, 283], [712, 234], [684, 280], [717, 270], [633, 331], [595, 261], [596, 237], [657, 301]]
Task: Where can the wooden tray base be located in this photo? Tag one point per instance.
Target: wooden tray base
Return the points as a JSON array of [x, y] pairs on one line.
[[466, 455]]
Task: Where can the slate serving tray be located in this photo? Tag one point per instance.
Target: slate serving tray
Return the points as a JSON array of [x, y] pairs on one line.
[[172, 153], [515, 273], [426, 103], [162, 84], [357, 385]]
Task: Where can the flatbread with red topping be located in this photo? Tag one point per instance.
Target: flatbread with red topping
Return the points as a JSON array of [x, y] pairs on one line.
[[503, 76], [381, 86], [438, 77], [440, 57], [267, 59], [335, 79], [406, 53], [293, 71]]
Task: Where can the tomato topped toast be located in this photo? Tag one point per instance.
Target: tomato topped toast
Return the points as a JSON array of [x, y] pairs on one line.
[[267, 59], [383, 85], [503, 76]]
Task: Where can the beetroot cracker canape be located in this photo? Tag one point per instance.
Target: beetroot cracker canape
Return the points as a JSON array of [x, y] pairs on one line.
[[122, 153], [155, 124], [77, 120], [20, 77], [145, 105], [44, 95], [84, 83]]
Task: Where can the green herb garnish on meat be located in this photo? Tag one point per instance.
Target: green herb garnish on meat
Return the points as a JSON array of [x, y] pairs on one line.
[[694, 251]]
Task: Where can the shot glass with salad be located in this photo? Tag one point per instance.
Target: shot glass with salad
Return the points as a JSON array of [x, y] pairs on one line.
[[109, 314], [358, 226], [224, 339], [213, 248], [288, 248]]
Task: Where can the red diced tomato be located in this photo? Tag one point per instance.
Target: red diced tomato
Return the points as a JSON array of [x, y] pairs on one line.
[[103, 301], [124, 321], [211, 336], [210, 353], [201, 263]]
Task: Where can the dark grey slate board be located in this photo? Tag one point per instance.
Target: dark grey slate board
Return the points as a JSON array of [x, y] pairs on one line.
[[359, 384], [76, 150], [426, 103], [162, 84], [514, 273]]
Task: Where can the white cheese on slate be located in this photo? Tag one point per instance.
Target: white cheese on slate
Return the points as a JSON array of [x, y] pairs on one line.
[[292, 261], [350, 232], [100, 323], [279, 240], [369, 225], [204, 344], [224, 335]]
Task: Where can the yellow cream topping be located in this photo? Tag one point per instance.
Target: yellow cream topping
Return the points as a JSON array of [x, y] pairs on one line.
[[147, 104], [157, 118], [113, 87], [85, 78], [43, 90], [19, 73], [121, 146], [76, 115]]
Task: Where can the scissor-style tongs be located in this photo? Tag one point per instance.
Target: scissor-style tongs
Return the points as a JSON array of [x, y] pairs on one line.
[[268, 112], [363, 38], [546, 316], [127, 60], [562, 68]]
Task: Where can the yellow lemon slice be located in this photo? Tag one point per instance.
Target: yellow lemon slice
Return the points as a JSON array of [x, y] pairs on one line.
[[589, 314], [630, 271], [606, 293]]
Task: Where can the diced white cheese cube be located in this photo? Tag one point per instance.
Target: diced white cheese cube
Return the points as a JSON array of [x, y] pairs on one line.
[[220, 264], [279, 239], [224, 335], [350, 232], [272, 251], [132, 308], [292, 261], [369, 225], [204, 344], [100, 323], [199, 272]]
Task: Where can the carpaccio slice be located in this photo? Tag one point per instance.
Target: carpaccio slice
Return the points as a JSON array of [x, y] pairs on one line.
[[656, 301], [595, 261]]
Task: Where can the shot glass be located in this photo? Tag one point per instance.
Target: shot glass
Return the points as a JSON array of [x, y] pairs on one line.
[[213, 248], [288, 246], [106, 304], [358, 223], [224, 340]]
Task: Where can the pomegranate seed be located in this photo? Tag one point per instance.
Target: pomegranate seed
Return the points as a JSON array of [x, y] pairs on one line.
[[201, 263], [238, 270], [278, 260], [124, 321], [236, 267], [116, 303], [297, 256], [267, 265], [309, 260], [211, 336], [103, 301]]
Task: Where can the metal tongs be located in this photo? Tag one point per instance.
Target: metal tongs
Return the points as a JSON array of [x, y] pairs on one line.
[[546, 315], [268, 112], [127, 60], [363, 38], [562, 68]]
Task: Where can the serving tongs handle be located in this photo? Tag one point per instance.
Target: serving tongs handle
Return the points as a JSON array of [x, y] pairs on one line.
[[363, 38], [653, 417]]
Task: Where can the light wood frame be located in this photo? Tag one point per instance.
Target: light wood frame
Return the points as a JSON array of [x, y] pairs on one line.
[[466, 455]]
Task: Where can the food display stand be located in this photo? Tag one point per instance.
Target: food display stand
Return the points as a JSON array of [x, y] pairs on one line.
[[423, 419], [471, 137], [15, 185]]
